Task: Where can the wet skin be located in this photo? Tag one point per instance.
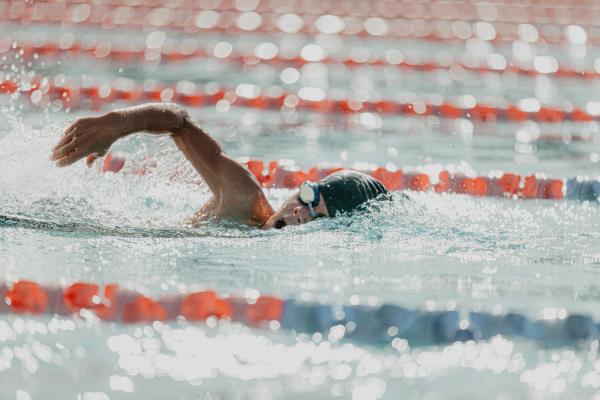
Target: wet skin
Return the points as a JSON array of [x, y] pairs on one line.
[[237, 195]]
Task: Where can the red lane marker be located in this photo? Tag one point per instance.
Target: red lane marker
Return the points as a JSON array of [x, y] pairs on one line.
[[479, 112], [266, 308], [542, 15], [109, 17], [201, 305], [506, 185], [53, 49], [81, 295], [144, 309], [27, 297], [122, 305]]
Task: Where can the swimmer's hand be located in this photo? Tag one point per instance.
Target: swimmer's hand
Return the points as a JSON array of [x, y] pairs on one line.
[[87, 137]]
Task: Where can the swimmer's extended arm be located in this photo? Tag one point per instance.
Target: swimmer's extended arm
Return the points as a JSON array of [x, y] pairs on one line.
[[237, 192]]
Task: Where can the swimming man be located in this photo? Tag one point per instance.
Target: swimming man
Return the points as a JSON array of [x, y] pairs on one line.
[[237, 194]]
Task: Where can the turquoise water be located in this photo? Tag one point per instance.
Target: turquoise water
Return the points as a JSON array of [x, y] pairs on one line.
[[450, 251]]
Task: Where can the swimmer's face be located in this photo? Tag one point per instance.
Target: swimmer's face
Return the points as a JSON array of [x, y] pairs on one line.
[[294, 212]]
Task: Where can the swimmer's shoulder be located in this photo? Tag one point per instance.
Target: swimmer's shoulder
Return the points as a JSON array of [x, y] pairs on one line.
[[254, 212]]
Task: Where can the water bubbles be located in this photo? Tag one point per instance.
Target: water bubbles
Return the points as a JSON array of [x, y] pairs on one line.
[[394, 56], [207, 19], [523, 50], [102, 49], [545, 64], [485, 30], [154, 40], [311, 93], [266, 50], [247, 90], [575, 34], [246, 5], [496, 61], [36, 97], [329, 24], [159, 16], [464, 128], [290, 23], [528, 33], [222, 50], [65, 41], [461, 30], [370, 120], [359, 54], [530, 105], [466, 101], [222, 106], [312, 53], [593, 107], [375, 26], [80, 13], [249, 21], [167, 94], [373, 389], [527, 135], [487, 11], [121, 384], [289, 76]]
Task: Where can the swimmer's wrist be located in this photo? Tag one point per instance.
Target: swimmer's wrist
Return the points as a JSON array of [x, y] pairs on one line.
[[118, 126], [152, 118]]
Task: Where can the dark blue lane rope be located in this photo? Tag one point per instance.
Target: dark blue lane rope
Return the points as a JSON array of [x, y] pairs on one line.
[[381, 325]]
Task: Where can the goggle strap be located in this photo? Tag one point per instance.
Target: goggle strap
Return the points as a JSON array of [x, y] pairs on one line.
[[313, 213]]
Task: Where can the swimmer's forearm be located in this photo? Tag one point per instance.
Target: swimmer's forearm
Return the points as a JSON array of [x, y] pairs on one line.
[[162, 118], [203, 152], [153, 118]]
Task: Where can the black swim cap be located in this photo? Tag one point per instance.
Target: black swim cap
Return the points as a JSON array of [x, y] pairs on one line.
[[345, 191]]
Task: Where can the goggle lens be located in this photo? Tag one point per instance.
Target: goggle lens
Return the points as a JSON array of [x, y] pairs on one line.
[[309, 195]]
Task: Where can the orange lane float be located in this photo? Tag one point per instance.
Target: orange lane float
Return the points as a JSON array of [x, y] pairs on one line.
[[109, 16], [275, 175], [27, 297], [368, 324], [99, 95], [201, 305], [116, 53], [505, 185], [557, 13], [112, 303]]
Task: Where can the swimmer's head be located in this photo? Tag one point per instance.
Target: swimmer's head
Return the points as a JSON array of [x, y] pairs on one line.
[[342, 192]]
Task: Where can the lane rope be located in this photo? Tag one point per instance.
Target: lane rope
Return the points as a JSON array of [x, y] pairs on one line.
[[109, 17], [568, 13], [72, 95], [119, 53], [286, 174], [504, 19], [366, 323]]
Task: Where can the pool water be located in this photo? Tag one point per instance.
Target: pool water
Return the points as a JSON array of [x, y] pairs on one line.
[[453, 251]]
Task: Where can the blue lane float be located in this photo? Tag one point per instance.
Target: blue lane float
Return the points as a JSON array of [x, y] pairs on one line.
[[369, 324], [381, 325]]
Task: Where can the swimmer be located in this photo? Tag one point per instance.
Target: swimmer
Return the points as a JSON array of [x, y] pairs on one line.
[[237, 195]]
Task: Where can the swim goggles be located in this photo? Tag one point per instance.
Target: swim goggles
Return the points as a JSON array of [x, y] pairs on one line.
[[309, 196]]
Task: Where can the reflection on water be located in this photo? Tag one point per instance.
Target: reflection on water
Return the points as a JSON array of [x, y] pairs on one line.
[[228, 361], [77, 223]]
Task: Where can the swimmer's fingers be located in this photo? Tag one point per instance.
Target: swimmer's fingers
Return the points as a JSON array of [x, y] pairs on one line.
[[70, 158], [79, 123], [63, 150], [67, 137], [73, 131], [89, 160]]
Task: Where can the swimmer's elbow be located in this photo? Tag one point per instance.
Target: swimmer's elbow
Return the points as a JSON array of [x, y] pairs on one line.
[[179, 116]]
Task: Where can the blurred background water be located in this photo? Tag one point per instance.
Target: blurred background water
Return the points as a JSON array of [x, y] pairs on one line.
[[450, 250]]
